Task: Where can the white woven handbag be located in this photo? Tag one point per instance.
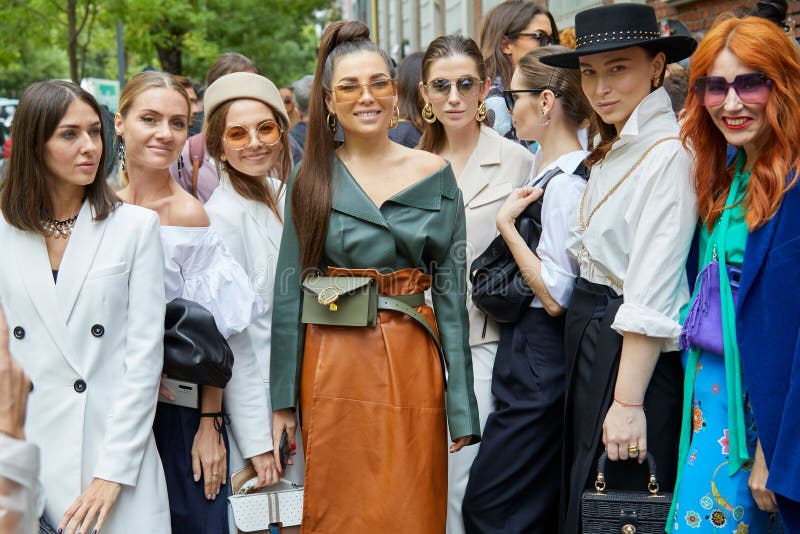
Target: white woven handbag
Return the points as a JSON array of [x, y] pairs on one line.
[[283, 503]]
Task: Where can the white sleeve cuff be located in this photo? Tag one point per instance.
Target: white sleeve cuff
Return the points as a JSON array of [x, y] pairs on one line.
[[19, 461], [557, 282], [20, 464], [639, 319]]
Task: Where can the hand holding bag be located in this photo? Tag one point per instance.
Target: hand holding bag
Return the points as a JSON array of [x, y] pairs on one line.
[[255, 510], [194, 350], [498, 288], [624, 512]]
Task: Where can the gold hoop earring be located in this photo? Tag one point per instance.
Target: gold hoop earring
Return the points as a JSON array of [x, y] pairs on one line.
[[656, 81], [395, 117], [427, 113], [332, 126], [481, 115]]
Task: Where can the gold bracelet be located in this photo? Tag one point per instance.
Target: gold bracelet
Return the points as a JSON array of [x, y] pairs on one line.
[[628, 404]]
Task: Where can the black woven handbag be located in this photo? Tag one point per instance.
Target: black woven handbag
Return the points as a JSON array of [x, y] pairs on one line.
[[624, 512], [498, 288], [194, 350]]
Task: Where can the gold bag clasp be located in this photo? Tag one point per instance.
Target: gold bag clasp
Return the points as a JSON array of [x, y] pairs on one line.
[[328, 297]]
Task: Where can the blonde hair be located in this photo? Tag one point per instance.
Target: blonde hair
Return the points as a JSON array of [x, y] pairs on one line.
[[137, 85]]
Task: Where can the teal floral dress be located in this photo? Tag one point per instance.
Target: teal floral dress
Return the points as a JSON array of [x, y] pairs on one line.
[[709, 498]]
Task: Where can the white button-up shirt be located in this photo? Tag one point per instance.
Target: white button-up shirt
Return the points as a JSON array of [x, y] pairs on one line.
[[560, 202], [637, 242]]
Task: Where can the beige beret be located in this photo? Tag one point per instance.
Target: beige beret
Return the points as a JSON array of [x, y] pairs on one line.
[[243, 85]]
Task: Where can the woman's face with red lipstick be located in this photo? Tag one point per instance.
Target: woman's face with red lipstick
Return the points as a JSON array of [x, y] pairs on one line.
[[742, 123]]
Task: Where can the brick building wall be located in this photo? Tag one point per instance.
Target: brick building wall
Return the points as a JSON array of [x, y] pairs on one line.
[[699, 15]]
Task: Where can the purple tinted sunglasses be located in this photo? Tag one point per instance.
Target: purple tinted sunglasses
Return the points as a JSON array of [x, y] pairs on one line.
[[752, 88]]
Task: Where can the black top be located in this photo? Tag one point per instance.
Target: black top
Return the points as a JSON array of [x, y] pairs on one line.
[[406, 134]]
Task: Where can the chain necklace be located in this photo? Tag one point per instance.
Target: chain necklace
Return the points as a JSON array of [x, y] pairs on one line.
[[58, 229], [584, 223]]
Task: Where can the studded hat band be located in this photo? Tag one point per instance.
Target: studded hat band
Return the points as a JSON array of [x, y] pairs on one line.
[[615, 36]]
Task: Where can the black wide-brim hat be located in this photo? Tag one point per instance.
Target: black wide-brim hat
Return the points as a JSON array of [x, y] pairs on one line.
[[618, 26]]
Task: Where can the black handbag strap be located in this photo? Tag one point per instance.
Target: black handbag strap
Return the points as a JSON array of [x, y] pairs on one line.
[[600, 483], [581, 170], [542, 182]]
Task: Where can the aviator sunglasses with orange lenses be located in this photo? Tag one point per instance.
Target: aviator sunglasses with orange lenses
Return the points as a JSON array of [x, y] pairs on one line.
[[238, 137], [352, 91]]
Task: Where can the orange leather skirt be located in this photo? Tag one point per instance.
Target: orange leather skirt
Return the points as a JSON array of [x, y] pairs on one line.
[[372, 406]]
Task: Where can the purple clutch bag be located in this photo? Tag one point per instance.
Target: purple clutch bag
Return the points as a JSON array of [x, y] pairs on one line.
[[702, 328]]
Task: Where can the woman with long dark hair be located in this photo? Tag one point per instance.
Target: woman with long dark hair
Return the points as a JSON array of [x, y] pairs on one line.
[[739, 446], [511, 29], [372, 399], [487, 168], [630, 235], [82, 287], [247, 134]]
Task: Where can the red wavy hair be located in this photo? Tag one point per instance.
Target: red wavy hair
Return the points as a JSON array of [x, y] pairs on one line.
[[758, 43]]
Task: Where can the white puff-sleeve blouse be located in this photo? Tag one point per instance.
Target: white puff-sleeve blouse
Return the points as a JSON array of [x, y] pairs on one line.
[[198, 267], [638, 240]]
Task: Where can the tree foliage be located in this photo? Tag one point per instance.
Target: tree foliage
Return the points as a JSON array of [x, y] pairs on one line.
[[42, 39]]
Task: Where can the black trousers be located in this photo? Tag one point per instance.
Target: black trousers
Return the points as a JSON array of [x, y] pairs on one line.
[[514, 482], [593, 352], [174, 428]]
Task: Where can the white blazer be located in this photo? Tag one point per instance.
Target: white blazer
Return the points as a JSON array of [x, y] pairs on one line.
[[93, 347], [495, 168], [252, 235]]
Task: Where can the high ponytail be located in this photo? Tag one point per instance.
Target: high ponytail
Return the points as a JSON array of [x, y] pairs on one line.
[[313, 188]]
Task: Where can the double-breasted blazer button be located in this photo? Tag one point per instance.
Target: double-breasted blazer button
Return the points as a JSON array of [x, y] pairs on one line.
[[98, 330], [79, 386], [19, 332]]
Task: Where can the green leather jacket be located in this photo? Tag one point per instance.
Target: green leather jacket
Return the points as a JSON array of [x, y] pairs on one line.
[[421, 226]]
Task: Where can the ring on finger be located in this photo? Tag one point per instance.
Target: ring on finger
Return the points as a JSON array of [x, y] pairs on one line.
[[633, 450]]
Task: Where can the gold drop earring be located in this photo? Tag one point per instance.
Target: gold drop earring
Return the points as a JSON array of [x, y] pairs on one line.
[[481, 115], [427, 113], [656, 81]]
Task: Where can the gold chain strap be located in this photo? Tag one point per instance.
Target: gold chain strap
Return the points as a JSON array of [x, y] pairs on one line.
[[584, 223]]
